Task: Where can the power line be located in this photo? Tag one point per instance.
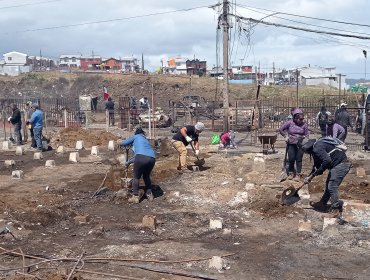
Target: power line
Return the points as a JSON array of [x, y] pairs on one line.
[[110, 20], [29, 4], [300, 22], [296, 15], [303, 29]]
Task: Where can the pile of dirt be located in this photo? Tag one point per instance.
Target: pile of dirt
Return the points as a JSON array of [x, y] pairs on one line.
[[70, 135]]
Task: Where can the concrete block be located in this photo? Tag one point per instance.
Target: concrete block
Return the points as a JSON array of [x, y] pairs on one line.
[[111, 145], [50, 163], [74, 157], [328, 222], [356, 211], [38, 155], [6, 145], [304, 226], [82, 219], [217, 263], [215, 224], [249, 186], [17, 174], [80, 145], [94, 150], [19, 151], [9, 162], [360, 172], [149, 221], [61, 150], [259, 163]]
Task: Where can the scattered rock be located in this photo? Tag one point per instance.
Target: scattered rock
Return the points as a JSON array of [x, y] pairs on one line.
[[50, 163], [217, 263], [249, 186], [360, 172], [9, 163], [61, 150], [17, 174], [305, 226], [227, 231], [150, 222], [240, 198], [82, 219], [215, 224], [328, 222]]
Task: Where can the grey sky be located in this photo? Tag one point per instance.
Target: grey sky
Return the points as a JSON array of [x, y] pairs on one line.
[[188, 33]]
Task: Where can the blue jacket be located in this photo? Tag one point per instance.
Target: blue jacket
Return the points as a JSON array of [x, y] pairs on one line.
[[141, 145], [37, 119]]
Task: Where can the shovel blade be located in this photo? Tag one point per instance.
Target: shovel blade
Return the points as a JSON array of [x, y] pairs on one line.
[[290, 196], [200, 162], [291, 200]]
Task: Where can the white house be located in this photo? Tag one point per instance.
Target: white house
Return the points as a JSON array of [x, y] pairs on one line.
[[70, 61], [129, 64], [176, 65], [14, 63], [314, 76]]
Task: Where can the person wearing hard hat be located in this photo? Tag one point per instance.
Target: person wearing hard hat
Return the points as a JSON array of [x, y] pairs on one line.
[[29, 111], [183, 138], [343, 118]]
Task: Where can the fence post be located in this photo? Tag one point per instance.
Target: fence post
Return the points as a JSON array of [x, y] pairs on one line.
[[65, 118], [213, 115], [107, 119], [87, 116]]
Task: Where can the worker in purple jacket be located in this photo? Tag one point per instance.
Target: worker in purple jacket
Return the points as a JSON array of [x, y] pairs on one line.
[[293, 131], [334, 129]]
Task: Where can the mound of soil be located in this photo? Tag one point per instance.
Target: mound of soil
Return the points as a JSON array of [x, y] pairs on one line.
[[70, 135]]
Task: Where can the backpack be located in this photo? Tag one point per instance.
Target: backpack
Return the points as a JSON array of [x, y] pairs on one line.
[[323, 118], [339, 145]]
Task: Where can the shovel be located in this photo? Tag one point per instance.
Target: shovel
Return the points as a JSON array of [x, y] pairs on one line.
[[199, 161], [284, 175], [290, 195]]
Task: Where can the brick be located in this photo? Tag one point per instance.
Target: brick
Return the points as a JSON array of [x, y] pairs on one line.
[[17, 174], [9, 162], [111, 145], [19, 151], [217, 263], [360, 172], [80, 145], [74, 157], [38, 156], [215, 224], [94, 150], [6, 145], [50, 163], [82, 219], [61, 150], [304, 226], [149, 221]]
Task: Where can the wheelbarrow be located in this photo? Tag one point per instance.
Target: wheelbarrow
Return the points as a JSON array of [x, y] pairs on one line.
[[268, 142]]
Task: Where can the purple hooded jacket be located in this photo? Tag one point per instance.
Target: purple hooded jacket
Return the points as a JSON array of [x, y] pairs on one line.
[[295, 132]]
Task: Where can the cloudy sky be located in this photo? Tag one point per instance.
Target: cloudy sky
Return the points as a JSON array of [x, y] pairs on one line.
[[152, 27]]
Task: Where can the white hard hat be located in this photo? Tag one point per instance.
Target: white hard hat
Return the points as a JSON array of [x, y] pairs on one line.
[[343, 104], [199, 126]]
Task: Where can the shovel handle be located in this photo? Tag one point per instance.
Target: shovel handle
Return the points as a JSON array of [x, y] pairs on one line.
[[192, 147]]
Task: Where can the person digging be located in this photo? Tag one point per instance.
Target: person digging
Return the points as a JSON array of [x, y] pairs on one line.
[[144, 162], [183, 138], [327, 156]]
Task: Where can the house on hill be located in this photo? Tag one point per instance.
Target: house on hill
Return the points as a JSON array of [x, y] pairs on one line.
[[14, 63]]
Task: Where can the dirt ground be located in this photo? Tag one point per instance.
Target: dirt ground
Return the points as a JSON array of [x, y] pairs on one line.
[[56, 222]]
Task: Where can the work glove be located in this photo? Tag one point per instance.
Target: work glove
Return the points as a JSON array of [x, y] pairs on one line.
[[196, 152], [286, 138], [9, 119], [188, 139], [307, 180]]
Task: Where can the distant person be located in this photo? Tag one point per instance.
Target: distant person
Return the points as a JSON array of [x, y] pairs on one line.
[[105, 93], [144, 103], [29, 111], [37, 122], [109, 105], [227, 140], [334, 130], [322, 119], [144, 162], [94, 102], [293, 131], [343, 118], [16, 121]]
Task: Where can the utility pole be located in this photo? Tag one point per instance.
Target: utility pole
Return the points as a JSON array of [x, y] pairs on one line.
[[255, 71], [225, 23], [297, 86], [40, 60], [142, 63], [273, 72], [365, 56], [340, 84]]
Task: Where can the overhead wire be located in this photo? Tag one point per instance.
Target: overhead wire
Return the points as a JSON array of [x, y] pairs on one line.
[[308, 17], [29, 4]]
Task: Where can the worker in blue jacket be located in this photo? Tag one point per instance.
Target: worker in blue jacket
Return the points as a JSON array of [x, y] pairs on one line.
[[143, 164], [37, 122]]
